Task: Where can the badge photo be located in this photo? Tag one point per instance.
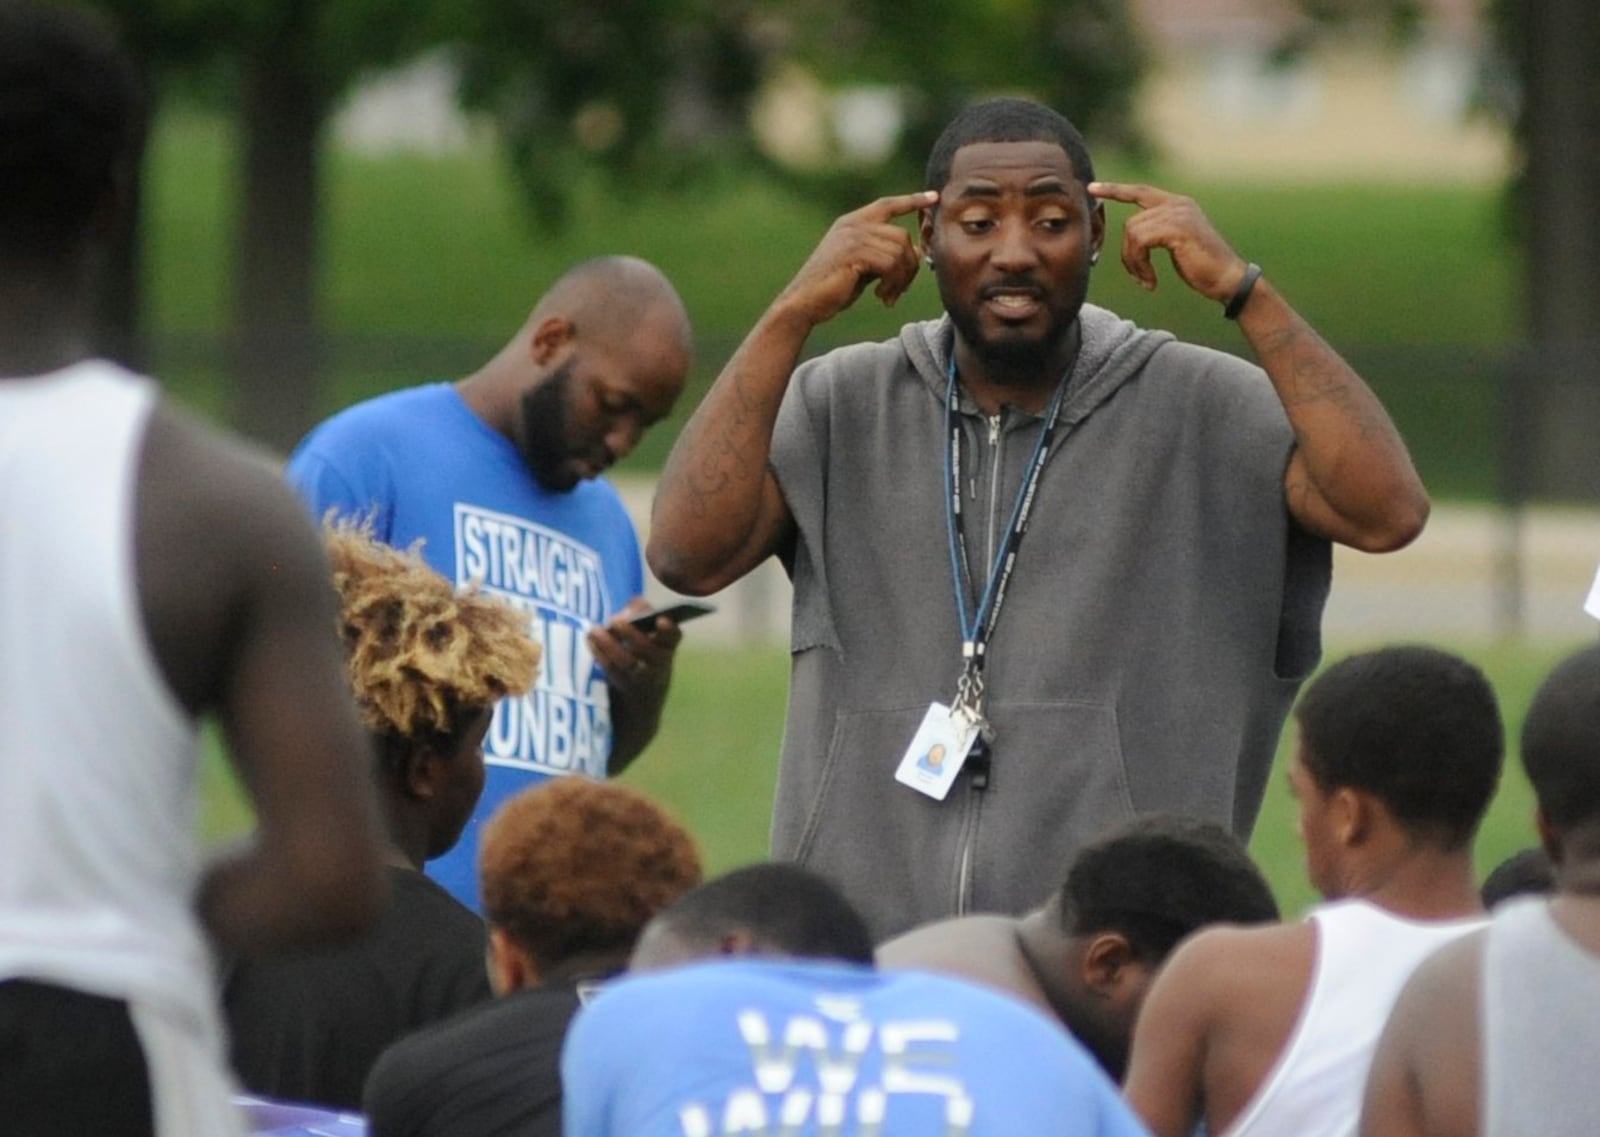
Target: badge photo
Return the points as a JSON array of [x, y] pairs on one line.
[[932, 761]]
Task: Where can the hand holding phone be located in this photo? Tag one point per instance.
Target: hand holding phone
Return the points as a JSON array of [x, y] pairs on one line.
[[677, 613]]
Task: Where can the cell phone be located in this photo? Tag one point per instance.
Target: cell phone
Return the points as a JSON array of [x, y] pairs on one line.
[[678, 613]]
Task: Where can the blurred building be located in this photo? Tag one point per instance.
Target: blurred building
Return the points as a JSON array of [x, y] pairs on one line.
[[1243, 87], [408, 109]]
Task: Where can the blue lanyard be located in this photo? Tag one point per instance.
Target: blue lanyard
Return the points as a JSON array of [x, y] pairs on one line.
[[978, 627]]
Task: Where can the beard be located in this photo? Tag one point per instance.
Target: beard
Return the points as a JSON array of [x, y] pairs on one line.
[[1023, 360], [544, 431], [1018, 360]]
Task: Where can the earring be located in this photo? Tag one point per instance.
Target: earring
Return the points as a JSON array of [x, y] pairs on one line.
[[927, 259], [1094, 257]]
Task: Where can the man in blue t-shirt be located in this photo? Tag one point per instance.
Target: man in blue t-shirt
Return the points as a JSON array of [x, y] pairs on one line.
[[809, 1039], [498, 475]]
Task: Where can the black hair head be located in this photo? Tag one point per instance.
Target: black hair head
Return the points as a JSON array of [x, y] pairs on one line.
[[1160, 877], [1006, 120], [70, 108], [783, 908], [1561, 742], [1417, 728], [1527, 872]]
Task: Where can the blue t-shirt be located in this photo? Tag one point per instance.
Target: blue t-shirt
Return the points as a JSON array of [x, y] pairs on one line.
[[759, 1046], [424, 466]]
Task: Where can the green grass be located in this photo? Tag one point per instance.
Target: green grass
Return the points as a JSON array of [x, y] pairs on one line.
[[430, 263], [714, 763]]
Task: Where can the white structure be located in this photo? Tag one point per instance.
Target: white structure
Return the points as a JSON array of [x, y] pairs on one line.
[[1221, 102]]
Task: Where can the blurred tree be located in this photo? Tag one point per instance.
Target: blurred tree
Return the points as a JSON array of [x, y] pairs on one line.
[[1082, 57], [283, 64], [1555, 195], [649, 90], [654, 91], [1540, 74], [592, 82], [659, 89]]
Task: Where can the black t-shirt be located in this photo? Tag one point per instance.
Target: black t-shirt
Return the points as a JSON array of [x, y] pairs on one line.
[[493, 1070], [307, 1026]]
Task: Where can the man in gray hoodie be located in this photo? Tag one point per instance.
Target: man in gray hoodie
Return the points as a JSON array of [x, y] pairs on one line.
[[1088, 560]]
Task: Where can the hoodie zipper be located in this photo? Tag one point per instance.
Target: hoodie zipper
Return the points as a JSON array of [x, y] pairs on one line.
[[969, 835], [969, 824], [996, 453]]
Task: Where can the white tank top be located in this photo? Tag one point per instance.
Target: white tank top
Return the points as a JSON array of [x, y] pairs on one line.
[[1364, 956], [1541, 1027], [99, 856]]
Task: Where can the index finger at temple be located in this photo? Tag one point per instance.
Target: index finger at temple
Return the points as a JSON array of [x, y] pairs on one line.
[[1132, 193], [898, 205]]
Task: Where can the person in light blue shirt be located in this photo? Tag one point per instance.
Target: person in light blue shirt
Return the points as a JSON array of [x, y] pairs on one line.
[[788, 1029], [499, 476]]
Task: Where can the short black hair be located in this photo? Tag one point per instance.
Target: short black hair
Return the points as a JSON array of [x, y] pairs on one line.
[[1561, 741], [783, 907], [1527, 872], [1006, 120], [1160, 877], [1416, 727], [71, 104]]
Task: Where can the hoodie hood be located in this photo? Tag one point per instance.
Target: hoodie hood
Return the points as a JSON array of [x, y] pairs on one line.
[[1113, 350]]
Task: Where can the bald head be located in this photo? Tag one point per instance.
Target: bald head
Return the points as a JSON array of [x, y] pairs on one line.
[[602, 358], [613, 299]]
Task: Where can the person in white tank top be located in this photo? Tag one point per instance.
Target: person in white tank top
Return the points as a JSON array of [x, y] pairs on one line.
[[152, 570], [1268, 1032], [1496, 1036]]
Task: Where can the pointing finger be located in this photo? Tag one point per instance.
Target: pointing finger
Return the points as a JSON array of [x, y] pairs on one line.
[[898, 205], [1130, 193]]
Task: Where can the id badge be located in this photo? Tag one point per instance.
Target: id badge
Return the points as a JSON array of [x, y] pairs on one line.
[[941, 744]]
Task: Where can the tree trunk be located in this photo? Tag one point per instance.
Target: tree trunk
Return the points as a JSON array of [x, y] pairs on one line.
[[276, 344], [1561, 195]]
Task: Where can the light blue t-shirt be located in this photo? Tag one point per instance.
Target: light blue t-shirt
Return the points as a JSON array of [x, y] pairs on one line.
[[795, 1048], [424, 466]]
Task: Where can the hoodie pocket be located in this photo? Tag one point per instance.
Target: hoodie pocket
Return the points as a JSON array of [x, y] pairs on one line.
[[1058, 780], [891, 849], [1060, 783]]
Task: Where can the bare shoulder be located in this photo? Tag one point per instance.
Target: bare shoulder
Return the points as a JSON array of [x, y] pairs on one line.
[[1426, 1068], [980, 948], [947, 942], [1234, 953], [215, 475], [1187, 1016], [1444, 986], [1226, 974], [223, 548], [1212, 968], [225, 501]]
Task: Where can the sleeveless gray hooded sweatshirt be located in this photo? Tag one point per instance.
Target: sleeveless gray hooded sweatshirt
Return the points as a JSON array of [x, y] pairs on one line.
[[1163, 612]]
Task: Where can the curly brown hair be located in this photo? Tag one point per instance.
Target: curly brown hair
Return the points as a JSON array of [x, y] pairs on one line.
[[578, 865], [422, 657]]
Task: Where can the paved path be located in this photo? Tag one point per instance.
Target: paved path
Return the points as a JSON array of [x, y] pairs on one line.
[[1476, 573]]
